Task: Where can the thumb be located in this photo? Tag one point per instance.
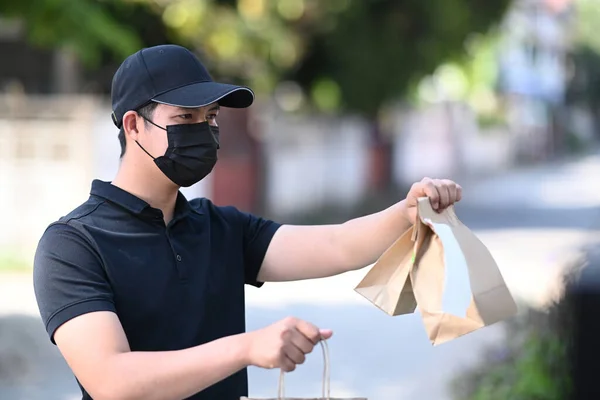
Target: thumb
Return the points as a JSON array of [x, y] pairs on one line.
[[325, 333]]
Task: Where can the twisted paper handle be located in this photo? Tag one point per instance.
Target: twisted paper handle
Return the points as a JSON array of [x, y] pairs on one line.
[[326, 379]]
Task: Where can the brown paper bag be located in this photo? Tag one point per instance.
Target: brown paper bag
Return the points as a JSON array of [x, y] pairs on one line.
[[440, 266], [326, 381]]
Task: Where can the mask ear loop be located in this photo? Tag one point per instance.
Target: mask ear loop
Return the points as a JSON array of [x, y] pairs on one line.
[[158, 126], [138, 143], [145, 151]]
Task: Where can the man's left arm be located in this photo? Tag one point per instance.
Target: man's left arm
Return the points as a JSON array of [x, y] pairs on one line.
[[306, 252]]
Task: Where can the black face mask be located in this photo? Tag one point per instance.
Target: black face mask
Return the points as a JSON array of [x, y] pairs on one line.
[[192, 152]]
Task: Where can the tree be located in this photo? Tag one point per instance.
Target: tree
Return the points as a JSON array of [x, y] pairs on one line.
[[380, 48], [584, 87], [87, 27], [350, 55]]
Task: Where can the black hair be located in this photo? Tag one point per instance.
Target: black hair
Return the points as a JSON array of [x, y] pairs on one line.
[[147, 112]]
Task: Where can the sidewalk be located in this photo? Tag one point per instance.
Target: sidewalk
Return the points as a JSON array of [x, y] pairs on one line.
[[568, 184]]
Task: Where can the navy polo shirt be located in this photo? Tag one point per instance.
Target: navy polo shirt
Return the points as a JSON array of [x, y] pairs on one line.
[[172, 287]]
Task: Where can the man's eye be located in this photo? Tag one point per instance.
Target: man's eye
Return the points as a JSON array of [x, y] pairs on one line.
[[185, 116], [211, 117]]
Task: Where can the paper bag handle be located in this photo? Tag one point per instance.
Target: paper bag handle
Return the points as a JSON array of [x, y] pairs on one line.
[[326, 378], [456, 275]]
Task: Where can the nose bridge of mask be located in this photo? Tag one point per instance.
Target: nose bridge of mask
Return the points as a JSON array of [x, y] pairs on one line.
[[213, 130], [198, 133]]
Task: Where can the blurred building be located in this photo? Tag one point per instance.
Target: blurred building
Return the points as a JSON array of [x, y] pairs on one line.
[[532, 67], [534, 73]]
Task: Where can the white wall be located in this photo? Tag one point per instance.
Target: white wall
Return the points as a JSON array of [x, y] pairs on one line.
[[44, 167], [444, 141], [314, 161]]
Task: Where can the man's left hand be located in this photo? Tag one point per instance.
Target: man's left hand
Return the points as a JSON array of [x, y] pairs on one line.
[[442, 193]]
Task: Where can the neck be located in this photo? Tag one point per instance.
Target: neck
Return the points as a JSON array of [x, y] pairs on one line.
[[158, 191]]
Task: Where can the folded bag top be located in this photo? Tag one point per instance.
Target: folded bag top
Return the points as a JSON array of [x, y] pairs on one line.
[[441, 267]]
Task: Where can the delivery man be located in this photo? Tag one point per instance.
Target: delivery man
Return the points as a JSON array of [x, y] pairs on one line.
[[143, 291]]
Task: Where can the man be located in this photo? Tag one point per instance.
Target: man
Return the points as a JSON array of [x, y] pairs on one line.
[[143, 291]]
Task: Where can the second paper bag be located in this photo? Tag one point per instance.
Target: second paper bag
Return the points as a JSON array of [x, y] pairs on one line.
[[325, 395], [442, 268]]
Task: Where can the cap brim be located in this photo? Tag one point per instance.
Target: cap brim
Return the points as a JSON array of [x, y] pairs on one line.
[[205, 93]]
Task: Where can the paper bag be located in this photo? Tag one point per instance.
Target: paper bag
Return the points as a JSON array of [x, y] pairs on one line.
[[326, 381], [442, 268]]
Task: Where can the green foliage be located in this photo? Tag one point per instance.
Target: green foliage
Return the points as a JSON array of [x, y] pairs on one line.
[[574, 143], [532, 367], [352, 55], [379, 48], [87, 27], [588, 16], [584, 86], [532, 363]]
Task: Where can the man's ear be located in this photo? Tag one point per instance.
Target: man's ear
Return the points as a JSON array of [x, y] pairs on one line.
[[130, 124]]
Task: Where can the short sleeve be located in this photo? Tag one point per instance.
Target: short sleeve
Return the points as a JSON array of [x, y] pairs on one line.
[[258, 233], [68, 277]]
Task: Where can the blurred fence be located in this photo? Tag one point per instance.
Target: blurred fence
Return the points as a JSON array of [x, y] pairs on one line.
[[45, 163]]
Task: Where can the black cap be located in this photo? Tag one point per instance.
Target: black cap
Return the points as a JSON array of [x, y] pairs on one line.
[[172, 75]]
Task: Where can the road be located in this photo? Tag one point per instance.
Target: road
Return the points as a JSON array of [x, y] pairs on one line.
[[531, 220]]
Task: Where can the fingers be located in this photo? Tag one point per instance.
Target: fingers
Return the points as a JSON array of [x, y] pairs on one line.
[[429, 189], [326, 333], [310, 331], [450, 188], [286, 364], [301, 345], [442, 193], [299, 339], [294, 353], [301, 342]]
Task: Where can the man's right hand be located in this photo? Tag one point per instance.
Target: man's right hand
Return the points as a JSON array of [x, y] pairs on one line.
[[284, 344]]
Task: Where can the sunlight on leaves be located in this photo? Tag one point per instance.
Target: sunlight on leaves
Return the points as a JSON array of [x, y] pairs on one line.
[[291, 9], [175, 15], [326, 95], [283, 53], [251, 9], [225, 42]]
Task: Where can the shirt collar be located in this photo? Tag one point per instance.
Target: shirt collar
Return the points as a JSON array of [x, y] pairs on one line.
[[134, 204]]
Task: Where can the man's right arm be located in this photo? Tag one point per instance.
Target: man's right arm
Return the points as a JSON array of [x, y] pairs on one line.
[[75, 302], [96, 349]]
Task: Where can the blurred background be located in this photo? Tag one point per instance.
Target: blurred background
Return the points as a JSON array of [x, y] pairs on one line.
[[356, 100]]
